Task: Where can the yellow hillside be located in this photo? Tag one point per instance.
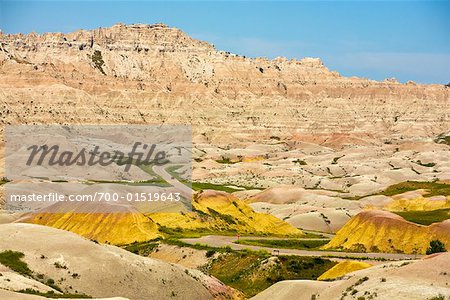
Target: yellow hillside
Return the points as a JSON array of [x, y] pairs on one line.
[[219, 211], [382, 231], [114, 228], [418, 204], [212, 211], [343, 268]]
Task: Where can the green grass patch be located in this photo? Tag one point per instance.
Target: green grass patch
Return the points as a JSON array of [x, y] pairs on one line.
[[152, 182], [251, 272], [433, 188], [13, 260], [198, 186], [226, 160], [142, 248], [180, 233], [443, 139], [172, 170], [284, 243], [227, 218], [313, 235], [3, 180], [197, 246], [52, 294], [425, 217]]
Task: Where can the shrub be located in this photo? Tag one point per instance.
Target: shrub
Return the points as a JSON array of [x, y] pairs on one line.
[[436, 246], [210, 253], [12, 260], [97, 59]]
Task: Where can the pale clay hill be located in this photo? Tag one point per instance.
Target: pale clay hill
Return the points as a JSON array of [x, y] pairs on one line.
[[407, 280], [77, 264]]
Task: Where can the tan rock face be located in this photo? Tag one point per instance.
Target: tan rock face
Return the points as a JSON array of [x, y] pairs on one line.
[[153, 73], [270, 112]]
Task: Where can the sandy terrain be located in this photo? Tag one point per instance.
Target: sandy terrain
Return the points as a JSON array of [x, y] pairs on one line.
[[422, 279], [102, 270]]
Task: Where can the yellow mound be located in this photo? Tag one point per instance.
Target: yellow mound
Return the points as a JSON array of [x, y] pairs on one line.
[[418, 204], [219, 211], [343, 268], [213, 211], [382, 231], [114, 228]]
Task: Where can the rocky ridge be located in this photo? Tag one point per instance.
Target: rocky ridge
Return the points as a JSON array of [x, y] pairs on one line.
[[154, 73]]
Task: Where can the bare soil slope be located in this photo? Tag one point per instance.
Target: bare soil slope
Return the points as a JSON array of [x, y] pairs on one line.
[[97, 270]]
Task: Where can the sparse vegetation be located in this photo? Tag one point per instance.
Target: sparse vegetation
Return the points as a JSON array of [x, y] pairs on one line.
[[425, 217], [98, 62], [152, 182], [59, 265], [177, 242], [443, 138], [226, 160], [428, 165], [198, 186], [247, 270], [52, 294], [352, 289], [335, 159], [142, 248], [300, 162], [285, 243], [433, 188], [172, 170], [13, 260], [227, 218], [251, 272], [436, 246]]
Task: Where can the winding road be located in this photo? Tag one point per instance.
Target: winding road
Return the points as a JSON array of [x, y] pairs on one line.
[[223, 241]]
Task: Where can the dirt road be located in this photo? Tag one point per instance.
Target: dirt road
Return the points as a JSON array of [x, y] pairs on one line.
[[223, 241]]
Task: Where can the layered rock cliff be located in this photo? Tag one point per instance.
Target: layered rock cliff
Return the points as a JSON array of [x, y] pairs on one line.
[[154, 73]]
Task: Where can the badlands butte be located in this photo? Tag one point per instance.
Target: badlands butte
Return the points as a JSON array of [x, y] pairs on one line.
[[284, 149]]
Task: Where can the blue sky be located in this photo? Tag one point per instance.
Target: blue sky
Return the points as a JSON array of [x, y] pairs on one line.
[[377, 39]]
